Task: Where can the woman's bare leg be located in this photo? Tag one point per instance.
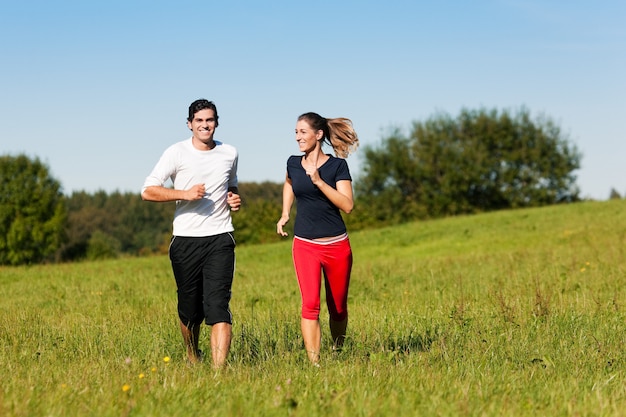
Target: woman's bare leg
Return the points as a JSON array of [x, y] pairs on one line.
[[312, 335]]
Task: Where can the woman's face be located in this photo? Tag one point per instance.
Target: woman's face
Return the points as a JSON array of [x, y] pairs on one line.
[[306, 137]]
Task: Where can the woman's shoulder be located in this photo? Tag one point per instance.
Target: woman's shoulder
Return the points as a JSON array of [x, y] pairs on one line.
[[294, 160], [338, 167], [336, 162]]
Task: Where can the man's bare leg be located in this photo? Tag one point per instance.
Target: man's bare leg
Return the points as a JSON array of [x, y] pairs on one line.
[[221, 335], [191, 335]]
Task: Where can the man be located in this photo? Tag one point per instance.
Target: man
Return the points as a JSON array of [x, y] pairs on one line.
[[202, 251]]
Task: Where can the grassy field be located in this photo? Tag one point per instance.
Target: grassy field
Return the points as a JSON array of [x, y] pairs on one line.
[[503, 314]]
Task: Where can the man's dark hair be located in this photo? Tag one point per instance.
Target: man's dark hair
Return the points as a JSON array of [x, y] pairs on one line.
[[202, 104]]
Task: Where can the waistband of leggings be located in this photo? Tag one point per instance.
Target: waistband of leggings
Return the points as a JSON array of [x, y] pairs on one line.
[[332, 240]]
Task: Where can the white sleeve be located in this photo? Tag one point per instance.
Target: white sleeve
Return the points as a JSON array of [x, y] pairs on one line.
[[162, 171], [232, 180]]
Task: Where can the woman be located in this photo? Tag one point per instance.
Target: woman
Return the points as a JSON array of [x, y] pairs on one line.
[[322, 187]]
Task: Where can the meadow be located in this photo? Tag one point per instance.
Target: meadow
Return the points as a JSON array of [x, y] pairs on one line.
[[510, 313]]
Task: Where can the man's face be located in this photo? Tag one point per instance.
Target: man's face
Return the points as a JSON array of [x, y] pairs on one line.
[[203, 126]]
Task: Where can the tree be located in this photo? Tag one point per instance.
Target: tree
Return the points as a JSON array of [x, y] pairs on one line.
[[102, 225], [32, 211], [480, 161], [614, 195], [121, 222], [102, 246], [260, 209], [84, 218]]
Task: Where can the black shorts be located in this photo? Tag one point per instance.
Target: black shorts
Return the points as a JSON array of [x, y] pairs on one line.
[[203, 268]]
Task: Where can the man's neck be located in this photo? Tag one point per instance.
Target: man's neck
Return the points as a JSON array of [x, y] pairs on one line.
[[202, 145]]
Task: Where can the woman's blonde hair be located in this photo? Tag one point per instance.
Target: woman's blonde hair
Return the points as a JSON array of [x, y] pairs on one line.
[[338, 132]]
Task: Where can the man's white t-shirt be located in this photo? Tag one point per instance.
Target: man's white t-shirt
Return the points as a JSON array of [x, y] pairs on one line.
[[187, 166]]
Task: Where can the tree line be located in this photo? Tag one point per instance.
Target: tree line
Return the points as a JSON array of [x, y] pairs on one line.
[[481, 160]]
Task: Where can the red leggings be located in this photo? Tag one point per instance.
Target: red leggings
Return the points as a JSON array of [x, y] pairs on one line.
[[335, 260]]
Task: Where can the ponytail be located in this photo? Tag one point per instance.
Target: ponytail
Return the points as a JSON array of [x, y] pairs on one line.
[[338, 133], [342, 136]]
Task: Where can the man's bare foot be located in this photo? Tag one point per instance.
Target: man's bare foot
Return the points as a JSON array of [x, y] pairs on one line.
[[195, 357]]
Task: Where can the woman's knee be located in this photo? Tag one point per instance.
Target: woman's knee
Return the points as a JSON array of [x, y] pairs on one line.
[[310, 311]]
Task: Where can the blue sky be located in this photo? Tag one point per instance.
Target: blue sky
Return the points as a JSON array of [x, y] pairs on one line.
[[97, 90]]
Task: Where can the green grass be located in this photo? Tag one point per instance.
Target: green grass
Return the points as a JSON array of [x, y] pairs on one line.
[[502, 314]]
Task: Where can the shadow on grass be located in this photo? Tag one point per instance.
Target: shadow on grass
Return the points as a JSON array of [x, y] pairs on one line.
[[395, 347]]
